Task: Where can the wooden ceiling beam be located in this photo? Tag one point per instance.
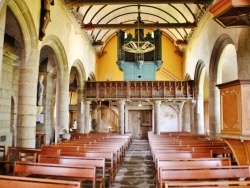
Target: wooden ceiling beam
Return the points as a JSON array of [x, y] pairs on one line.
[[141, 26], [119, 2]]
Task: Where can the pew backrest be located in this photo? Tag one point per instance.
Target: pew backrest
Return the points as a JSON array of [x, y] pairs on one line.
[[56, 171], [24, 182], [203, 173]]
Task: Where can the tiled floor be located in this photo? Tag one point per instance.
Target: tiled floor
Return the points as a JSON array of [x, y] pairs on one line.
[[137, 168]]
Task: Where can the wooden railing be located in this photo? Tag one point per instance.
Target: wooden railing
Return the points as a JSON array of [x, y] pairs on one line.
[[110, 117], [110, 90]]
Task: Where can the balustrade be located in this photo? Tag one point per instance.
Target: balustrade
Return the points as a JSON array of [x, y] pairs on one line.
[[139, 90]]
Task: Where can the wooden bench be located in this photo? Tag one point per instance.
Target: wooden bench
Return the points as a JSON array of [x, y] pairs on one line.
[[24, 182], [209, 184], [192, 162], [2, 158], [109, 160], [57, 171], [13, 154], [99, 163], [110, 154], [181, 155], [20, 154], [202, 174]]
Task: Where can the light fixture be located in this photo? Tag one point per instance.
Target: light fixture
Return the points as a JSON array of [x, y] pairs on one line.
[[138, 45]]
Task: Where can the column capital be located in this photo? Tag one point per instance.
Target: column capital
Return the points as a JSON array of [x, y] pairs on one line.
[[192, 101], [157, 102], [88, 102], [121, 102]]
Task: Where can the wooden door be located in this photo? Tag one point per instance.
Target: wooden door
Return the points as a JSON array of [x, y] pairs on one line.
[[139, 123]]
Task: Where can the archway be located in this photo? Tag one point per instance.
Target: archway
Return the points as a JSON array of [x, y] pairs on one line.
[[56, 54], [80, 74], [219, 62], [20, 34]]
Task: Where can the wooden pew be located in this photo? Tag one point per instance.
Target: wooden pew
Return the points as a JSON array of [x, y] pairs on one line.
[[2, 158], [24, 182], [201, 174], [181, 155], [209, 184], [99, 163], [192, 162], [13, 154], [19, 153], [109, 160], [110, 155], [57, 171]]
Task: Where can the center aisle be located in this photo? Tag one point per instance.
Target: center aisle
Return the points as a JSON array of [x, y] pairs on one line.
[[137, 168]]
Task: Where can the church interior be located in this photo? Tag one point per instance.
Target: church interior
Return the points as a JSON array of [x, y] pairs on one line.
[[124, 94]]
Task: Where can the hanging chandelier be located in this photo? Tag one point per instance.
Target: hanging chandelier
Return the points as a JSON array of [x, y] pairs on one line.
[[138, 46]]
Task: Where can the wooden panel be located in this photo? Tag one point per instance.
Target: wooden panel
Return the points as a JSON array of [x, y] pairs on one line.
[[139, 123], [246, 110], [240, 150], [230, 110], [134, 118], [235, 108]]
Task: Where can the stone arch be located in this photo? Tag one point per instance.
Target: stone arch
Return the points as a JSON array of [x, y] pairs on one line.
[[91, 77], [214, 99], [80, 96], [60, 54], [187, 77], [62, 89], [81, 71], [26, 113], [199, 77]]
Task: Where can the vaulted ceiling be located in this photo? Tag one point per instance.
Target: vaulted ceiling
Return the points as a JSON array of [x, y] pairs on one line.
[[101, 19]]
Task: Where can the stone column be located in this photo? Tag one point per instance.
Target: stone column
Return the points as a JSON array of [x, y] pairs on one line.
[[80, 112], [126, 119], [62, 105], [214, 109], [7, 109], [121, 105], [192, 105], [87, 117], [157, 107], [199, 115], [27, 109], [180, 113], [186, 117], [3, 6], [94, 117]]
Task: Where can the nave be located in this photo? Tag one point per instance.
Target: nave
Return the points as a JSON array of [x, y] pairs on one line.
[[137, 167], [104, 160]]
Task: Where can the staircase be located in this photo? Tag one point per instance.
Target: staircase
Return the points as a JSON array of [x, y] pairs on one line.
[[110, 117], [137, 168]]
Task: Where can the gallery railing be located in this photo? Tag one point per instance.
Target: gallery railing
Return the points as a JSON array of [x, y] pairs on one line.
[[139, 90]]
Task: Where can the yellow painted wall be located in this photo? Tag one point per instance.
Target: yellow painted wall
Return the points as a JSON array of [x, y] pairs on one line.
[[172, 62], [107, 63], [107, 67]]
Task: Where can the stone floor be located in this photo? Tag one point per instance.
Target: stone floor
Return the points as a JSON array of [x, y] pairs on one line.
[[137, 168]]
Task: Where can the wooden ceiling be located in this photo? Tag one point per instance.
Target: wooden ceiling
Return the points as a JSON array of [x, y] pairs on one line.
[[101, 19]]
